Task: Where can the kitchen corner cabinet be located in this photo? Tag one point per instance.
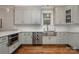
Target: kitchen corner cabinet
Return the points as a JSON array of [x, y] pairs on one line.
[[59, 15], [27, 15], [74, 40], [74, 13], [25, 38]]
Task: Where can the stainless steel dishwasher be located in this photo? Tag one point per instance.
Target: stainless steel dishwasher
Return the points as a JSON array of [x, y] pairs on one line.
[[37, 38]]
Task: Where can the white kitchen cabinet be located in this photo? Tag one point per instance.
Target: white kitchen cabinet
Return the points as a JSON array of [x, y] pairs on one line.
[[74, 13], [4, 48], [59, 15], [64, 37], [13, 47], [32, 15], [45, 40], [28, 15], [3, 45], [60, 38], [52, 39], [49, 40], [36, 15], [19, 16], [74, 40], [25, 38]]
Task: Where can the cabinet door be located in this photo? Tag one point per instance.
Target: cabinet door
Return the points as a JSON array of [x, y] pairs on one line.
[[4, 48], [13, 47], [74, 41], [74, 13], [52, 39], [60, 38], [36, 16], [27, 16], [26, 38], [46, 40], [59, 17], [19, 16]]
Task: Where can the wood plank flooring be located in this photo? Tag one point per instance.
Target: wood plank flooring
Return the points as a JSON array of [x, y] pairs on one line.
[[54, 49]]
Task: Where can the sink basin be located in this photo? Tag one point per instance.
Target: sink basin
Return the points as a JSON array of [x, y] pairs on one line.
[[49, 33]]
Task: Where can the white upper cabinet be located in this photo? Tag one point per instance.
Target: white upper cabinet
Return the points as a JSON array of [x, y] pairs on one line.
[[74, 13], [66, 14], [59, 15], [19, 16], [28, 15], [36, 15]]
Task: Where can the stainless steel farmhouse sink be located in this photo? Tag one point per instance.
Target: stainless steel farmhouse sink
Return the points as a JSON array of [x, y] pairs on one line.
[[49, 33]]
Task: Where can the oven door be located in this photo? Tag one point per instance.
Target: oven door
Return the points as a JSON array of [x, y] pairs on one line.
[[12, 40]]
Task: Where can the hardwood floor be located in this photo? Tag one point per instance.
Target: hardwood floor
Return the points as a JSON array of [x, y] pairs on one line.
[[52, 49]]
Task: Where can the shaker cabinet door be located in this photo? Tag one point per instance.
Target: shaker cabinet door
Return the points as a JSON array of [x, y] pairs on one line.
[[74, 13], [59, 17], [45, 40], [4, 48], [27, 15], [36, 16], [19, 16], [25, 38]]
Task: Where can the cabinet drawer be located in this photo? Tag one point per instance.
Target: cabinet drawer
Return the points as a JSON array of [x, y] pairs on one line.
[[27, 34], [14, 47], [3, 39]]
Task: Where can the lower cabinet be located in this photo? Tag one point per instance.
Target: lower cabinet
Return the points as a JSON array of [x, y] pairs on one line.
[[60, 38], [45, 40], [3, 45], [3, 48], [25, 38], [49, 40], [74, 40], [13, 47]]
